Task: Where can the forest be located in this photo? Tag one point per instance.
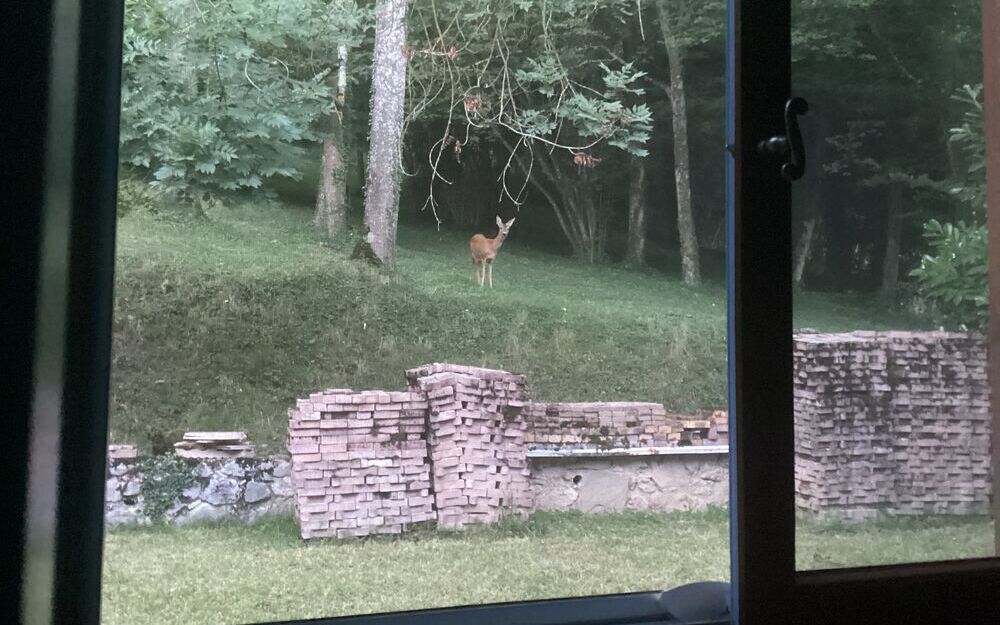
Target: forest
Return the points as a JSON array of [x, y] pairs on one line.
[[598, 124]]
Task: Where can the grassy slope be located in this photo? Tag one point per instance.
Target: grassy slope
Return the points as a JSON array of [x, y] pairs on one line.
[[232, 574], [222, 324]]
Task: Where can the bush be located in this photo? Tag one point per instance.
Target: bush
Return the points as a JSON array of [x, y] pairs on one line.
[[953, 277], [136, 196]]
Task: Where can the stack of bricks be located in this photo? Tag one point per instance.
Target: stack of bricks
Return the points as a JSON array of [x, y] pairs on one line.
[[619, 425], [709, 429], [359, 462], [891, 424], [477, 450]]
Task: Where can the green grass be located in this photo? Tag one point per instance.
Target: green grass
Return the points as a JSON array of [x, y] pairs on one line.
[[224, 323], [218, 574], [837, 545]]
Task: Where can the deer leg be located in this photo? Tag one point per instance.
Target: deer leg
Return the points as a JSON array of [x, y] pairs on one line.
[[489, 269]]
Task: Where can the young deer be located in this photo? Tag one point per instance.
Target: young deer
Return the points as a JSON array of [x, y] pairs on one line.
[[484, 251]]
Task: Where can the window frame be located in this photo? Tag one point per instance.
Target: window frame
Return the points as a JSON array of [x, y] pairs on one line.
[[79, 279]]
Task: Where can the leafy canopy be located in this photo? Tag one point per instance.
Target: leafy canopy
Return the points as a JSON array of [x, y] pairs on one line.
[[219, 96]]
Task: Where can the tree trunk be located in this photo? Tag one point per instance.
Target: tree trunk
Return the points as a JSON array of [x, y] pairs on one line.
[[816, 186], [331, 202], [893, 234], [582, 220], [331, 213], [811, 221], [690, 264], [388, 100], [803, 249], [635, 251]]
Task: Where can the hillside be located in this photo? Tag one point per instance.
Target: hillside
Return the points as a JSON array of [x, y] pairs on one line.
[[223, 323]]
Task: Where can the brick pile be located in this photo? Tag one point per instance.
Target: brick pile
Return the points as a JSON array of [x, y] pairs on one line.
[[359, 462], [619, 425], [478, 454], [891, 423]]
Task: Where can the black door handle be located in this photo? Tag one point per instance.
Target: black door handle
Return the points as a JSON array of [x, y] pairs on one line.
[[790, 142]]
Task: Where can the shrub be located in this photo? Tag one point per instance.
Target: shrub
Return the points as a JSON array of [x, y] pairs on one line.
[[953, 276]]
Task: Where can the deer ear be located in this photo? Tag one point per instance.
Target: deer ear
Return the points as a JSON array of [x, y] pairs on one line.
[[499, 222], [511, 222]]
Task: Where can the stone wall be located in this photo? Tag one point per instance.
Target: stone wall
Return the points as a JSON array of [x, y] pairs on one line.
[[244, 489], [891, 423]]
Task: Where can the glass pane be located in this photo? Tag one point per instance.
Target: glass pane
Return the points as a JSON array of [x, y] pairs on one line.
[[432, 338], [892, 400]]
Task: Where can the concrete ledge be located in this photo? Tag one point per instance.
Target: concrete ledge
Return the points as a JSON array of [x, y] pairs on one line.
[[594, 452]]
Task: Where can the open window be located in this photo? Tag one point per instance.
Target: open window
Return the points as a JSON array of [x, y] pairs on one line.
[[64, 248]]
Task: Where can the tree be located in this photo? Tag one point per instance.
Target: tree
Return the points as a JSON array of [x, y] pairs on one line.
[[331, 207], [388, 104], [531, 75], [683, 25], [214, 101], [346, 24], [635, 244]]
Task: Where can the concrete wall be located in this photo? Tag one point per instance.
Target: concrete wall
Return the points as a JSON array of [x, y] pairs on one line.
[[620, 482]]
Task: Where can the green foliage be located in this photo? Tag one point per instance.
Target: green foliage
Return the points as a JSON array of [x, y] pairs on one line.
[[219, 98], [954, 275], [970, 135], [539, 71], [163, 479], [135, 195]]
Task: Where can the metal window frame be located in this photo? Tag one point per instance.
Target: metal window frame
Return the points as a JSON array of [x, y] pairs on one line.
[[68, 341], [768, 589]]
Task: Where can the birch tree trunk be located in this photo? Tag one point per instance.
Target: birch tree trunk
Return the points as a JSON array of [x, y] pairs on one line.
[[690, 263], [331, 204], [635, 252], [388, 100]]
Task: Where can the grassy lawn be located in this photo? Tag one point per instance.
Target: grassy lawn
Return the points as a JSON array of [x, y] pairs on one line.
[[223, 323], [220, 574]]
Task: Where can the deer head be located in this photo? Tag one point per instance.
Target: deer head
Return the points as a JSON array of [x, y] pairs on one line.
[[504, 227]]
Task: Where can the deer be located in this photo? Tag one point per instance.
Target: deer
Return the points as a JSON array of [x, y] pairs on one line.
[[484, 251]]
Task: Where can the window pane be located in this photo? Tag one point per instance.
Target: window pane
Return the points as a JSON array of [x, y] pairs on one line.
[[454, 334], [892, 397]]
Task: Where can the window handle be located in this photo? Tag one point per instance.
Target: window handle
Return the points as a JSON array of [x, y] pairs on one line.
[[790, 143]]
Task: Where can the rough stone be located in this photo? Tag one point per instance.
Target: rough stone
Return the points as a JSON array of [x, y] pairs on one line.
[[221, 490], [118, 469], [112, 491], [233, 469], [132, 488], [282, 468], [256, 491], [283, 487], [201, 512]]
